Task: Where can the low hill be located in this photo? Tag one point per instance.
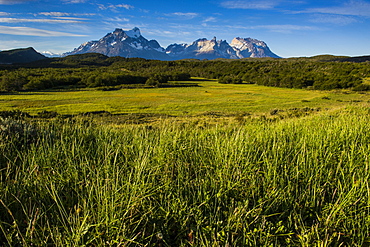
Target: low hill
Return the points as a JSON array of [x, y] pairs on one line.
[[23, 55]]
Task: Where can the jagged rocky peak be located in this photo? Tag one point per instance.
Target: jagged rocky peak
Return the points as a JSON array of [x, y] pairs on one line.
[[202, 49], [134, 33], [131, 43], [248, 47], [125, 44], [206, 45]]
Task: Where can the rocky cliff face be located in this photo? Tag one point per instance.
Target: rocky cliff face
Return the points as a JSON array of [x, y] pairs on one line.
[[202, 49], [133, 44], [251, 48]]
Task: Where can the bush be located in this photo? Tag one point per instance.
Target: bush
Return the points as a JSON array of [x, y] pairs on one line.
[[230, 80], [156, 80], [151, 81], [362, 87], [47, 114]]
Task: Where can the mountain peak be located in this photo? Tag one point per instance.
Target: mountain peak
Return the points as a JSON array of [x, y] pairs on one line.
[[125, 44], [132, 44], [248, 47], [134, 33]]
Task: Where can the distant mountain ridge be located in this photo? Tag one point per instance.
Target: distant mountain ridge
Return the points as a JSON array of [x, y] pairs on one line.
[[23, 55], [132, 44], [123, 43]]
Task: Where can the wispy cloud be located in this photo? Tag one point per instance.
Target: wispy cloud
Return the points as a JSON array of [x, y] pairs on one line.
[[126, 6], [53, 13], [78, 19], [20, 20], [118, 19], [27, 31], [210, 19], [74, 1], [352, 7], [3, 14], [115, 7], [333, 19], [9, 2], [254, 4], [60, 14], [189, 15], [285, 28]]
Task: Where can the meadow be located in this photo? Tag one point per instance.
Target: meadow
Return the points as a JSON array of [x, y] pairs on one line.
[[204, 96], [214, 165]]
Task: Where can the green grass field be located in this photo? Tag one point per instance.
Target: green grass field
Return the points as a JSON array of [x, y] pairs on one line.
[[299, 180], [209, 96]]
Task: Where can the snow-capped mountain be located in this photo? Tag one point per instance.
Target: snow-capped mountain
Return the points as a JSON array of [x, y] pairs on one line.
[[202, 49], [251, 48], [50, 54], [125, 44], [132, 44]]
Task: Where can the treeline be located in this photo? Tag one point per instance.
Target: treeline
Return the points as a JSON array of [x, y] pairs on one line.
[[25, 79], [96, 70]]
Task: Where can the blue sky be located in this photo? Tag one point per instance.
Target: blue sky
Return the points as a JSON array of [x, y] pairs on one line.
[[291, 28]]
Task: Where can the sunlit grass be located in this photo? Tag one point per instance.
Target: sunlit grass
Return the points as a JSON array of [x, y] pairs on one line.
[[209, 96], [294, 182]]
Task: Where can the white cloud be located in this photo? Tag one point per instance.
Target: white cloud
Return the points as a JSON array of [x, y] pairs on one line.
[[189, 15], [351, 7], [18, 20], [78, 19], [64, 14], [3, 13], [74, 1], [126, 6], [284, 28], [9, 2], [210, 19], [27, 31], [53, 13], [255, 4], [115, 7]]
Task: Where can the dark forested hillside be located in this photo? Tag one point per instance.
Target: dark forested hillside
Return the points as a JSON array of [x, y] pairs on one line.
[[95, 70], [26, 55]]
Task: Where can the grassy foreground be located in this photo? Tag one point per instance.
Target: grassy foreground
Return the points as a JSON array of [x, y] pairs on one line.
[[294, 182]]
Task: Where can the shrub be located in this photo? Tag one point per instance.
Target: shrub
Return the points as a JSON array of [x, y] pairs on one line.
[[362, 87], [230, 80], [47, 114], [151, 81]]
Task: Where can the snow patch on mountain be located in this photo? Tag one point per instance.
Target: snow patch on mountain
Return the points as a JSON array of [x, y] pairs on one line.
[[50, 54], [134, 33]]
